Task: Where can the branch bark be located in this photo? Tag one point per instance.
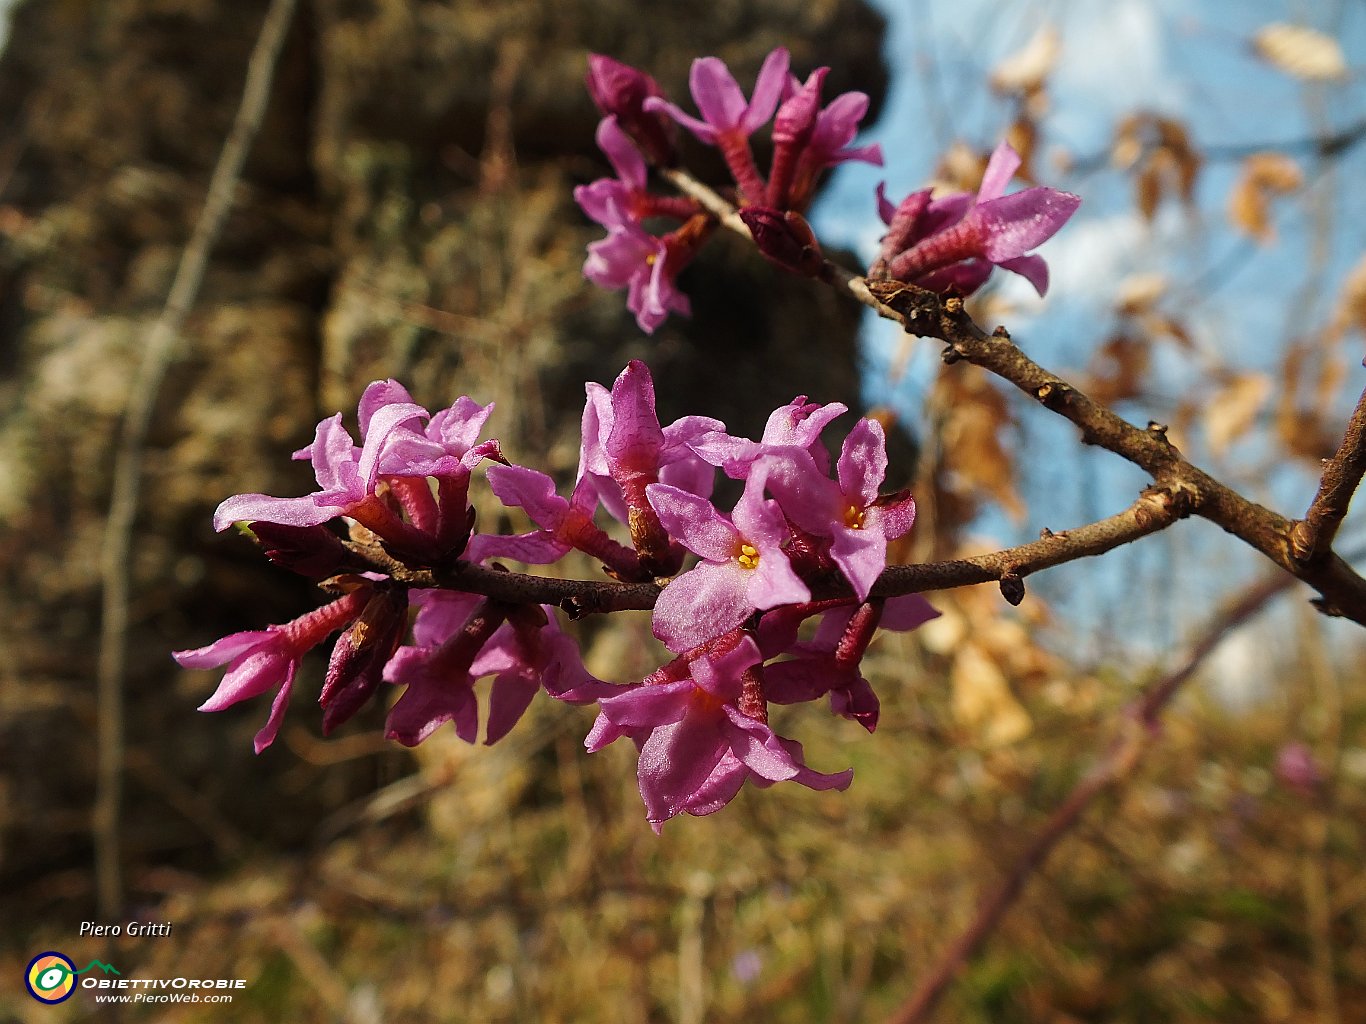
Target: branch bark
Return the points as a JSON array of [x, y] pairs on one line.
[[1156, 509], [1342, 591], [1312, 537]]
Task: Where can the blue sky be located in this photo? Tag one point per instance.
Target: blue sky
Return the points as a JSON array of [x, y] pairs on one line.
[[1189, 60]]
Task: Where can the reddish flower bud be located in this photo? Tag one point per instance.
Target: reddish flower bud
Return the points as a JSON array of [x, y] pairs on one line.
[[785, 238], [620, 90], [357, 664], [312, 551]]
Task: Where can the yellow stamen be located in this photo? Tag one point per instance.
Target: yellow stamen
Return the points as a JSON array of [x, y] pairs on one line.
[[748, 556], [853, 517]]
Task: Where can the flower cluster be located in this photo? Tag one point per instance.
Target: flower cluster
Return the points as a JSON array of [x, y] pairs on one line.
[[639, 128], [945, 243], [952, 242], [732, 621]]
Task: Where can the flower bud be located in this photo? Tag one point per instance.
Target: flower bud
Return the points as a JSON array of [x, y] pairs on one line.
[[312, 551], [784, 237], [357, 664], [620, 91]]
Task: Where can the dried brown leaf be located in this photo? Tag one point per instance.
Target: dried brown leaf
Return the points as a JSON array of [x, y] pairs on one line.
[[1274, 172], [1159, 326], [1027, 68], [1148, 191], [1263, 175], [1023, 136], [960, 168], [1138, 293], [1162, 156], [982, 700], [1118, 368], [1249, 210], [1303, 52], [1232, 411], [975, 460], [1351, 311]]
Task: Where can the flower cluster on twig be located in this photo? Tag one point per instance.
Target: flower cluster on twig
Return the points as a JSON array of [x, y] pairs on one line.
[[732, 620]]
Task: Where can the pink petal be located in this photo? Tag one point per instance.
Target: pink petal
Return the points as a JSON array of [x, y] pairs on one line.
[[768, 90], [427, 705], [1001, 168], [758, 749], [862, 464], [676, 761], [648, 707], [251, 675], [1032, 268], [266, 736], [622, 154], [694, 522], [508, 700], [701, 604], [376, 396], [701, 129], [907, 612], [893, 519], [1016, 223], [220, 652], [531, 490], [861, 556], [716, 93]]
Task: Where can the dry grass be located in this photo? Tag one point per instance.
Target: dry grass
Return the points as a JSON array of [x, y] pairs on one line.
[[521, 883]]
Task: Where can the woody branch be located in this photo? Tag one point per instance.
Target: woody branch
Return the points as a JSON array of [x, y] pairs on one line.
[[1156, 509], [1311, 538], [1342, 591]]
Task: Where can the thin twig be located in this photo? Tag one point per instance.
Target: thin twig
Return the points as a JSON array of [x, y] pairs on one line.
[[1139, 728], [1312, 537], [1342, 590], [115, 567], [1155, 510]]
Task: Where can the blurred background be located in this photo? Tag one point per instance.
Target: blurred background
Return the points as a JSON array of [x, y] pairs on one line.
[[405, 211]]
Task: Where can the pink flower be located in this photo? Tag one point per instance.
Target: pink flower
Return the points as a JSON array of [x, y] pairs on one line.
[[849, 512], [808, 139], [743, 569], [632, 258], [696, 746], [728, 119], [620, 91], [261, 659], [613, 202], [829, 662], [624, 450], [798, 424], [400, 453], [460, 638], [953, 242], [565, 524], [725, 111]]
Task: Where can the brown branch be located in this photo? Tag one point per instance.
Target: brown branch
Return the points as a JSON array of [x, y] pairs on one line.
[[116, 549], [1155, 509], [1139, 728], [1342, 591], [1312, 537]]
